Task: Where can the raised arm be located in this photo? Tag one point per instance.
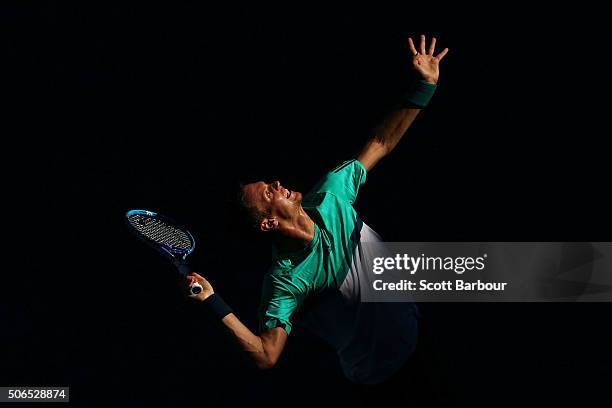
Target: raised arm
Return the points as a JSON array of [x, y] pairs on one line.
[[265, 349], [393, 127]]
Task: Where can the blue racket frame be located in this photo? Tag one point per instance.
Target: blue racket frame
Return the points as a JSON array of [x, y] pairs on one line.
[[177, 256]]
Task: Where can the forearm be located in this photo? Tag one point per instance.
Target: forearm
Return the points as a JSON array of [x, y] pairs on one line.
[[395, 124], [246, 339], [263, 350], [393, 127]]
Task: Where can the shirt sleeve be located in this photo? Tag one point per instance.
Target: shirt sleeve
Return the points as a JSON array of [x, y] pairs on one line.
[[343, 181], [277, 305]]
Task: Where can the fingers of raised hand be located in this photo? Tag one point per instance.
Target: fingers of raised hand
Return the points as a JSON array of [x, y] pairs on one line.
[[430, 51], [432, 46], [442, 54], [422, 45], [411, 46]]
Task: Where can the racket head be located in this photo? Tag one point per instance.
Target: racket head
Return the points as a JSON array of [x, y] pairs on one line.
[[161, 232]]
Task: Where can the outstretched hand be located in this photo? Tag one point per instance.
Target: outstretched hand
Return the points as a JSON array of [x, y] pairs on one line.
[[424, 61]]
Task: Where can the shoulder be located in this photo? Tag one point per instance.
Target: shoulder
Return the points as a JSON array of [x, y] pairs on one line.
[[349, 170], [343, 181], [352, 165]]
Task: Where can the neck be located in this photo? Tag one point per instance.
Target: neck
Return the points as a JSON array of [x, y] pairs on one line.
[[296, 234]]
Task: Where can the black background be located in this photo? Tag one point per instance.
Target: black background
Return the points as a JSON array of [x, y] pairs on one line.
[[116, 106]]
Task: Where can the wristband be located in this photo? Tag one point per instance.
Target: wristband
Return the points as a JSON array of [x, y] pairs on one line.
[[218, 306], [420, 94]]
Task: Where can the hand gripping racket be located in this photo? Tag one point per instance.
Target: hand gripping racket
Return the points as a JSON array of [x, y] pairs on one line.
[[165, 236]]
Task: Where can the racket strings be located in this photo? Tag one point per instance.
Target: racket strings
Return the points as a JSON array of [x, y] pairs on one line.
[[160, 232]]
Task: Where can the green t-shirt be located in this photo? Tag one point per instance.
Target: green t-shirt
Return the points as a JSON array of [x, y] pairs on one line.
[[323, 265]]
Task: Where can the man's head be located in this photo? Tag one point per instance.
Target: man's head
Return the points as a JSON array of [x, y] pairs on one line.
[[271, 206]]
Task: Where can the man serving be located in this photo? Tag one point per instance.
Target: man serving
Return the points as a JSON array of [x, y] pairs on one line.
[[319, 253]]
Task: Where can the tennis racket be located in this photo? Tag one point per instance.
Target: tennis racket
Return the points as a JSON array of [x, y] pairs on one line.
[[164, 235]]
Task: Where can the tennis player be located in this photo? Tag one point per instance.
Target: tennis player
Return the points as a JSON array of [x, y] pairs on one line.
[[318, 241]]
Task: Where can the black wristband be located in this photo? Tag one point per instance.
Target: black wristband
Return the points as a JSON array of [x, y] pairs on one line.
[[218, 306]]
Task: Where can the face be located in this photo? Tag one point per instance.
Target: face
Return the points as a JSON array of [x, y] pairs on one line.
[[281, 203]]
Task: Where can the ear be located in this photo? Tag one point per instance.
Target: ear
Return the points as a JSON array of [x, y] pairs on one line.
[[268, 224]]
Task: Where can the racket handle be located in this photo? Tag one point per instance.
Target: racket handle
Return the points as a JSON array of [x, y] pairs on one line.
[[196, 288], [184, 270], [182, 267]]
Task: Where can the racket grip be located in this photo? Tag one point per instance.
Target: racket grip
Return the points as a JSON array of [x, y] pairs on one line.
[[184, 270]]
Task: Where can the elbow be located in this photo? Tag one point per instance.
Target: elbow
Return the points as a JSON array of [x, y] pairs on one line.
[[271, 347], [265, 366], [266, 363]]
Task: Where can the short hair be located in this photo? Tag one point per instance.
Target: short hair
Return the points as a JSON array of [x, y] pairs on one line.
[[253, 214]]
